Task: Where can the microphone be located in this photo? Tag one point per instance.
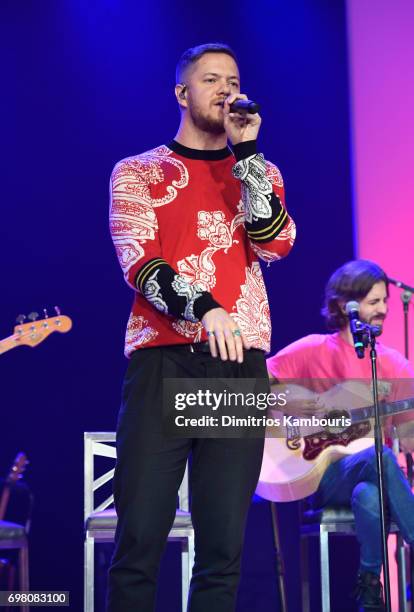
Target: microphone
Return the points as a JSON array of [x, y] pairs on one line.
[[357, 327], [244, 106]]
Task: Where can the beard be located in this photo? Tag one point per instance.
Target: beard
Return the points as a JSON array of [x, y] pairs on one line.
[[377, 322], [206, 123]]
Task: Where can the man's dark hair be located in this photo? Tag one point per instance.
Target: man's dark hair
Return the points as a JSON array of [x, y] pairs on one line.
[[352, 281], [192, 55]]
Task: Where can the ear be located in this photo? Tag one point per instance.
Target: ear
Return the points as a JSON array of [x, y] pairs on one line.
[[180, 94]]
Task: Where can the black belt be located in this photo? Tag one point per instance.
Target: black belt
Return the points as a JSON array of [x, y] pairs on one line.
[[204, 347], [196, 347], [199, 347]]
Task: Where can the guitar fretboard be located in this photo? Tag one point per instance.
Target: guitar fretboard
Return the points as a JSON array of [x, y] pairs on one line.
[[386, 409], [9, 343]]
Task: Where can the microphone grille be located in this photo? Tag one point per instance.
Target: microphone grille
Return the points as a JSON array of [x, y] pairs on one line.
[[352, 306]]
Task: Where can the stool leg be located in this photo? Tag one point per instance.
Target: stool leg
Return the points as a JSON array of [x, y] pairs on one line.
[[10, 577], [304, 561], [280, 566], [402, 579], [88, 574], [24, 571], [324, 555], [185, 575], [187, 562]]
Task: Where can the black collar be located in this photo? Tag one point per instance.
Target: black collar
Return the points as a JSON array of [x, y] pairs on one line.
[[208, 155]]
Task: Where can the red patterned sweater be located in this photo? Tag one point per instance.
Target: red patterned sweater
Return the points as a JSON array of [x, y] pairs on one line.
[[188, 227]]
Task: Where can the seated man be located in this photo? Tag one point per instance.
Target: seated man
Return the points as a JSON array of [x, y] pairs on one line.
[[352, 480]]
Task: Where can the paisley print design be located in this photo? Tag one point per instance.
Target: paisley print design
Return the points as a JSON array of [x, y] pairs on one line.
[[199, 269], [190, 330], [133, 220], [274, 175], [152, 292], [256, 187], [138, 333], [267, 256], [137, 175], [212, 226], [252, 314], [190, 292], [191, 213]]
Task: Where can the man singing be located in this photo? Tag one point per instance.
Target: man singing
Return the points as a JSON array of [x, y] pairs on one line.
[[352, 480], [189, 220]]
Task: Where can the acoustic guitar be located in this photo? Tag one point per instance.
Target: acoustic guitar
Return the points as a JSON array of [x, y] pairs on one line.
[[296, 456]]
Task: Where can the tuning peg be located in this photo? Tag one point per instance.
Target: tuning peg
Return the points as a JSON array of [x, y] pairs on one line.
[[33, 316], [46, 316], [20, 319], [57, 309]]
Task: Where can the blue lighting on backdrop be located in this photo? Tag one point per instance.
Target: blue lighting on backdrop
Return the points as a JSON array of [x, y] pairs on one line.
[[84, 85]]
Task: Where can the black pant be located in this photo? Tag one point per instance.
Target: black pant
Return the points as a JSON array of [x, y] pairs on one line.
[[149, 471]]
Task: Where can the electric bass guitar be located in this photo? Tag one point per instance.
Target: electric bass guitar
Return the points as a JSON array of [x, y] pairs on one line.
[[33, 333], [296, 456]]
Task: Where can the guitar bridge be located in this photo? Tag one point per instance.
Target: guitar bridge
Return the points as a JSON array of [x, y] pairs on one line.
[[316, 443]]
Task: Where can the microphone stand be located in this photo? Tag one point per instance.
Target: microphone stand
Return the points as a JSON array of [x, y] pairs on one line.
[[370, 339], [406, 296]]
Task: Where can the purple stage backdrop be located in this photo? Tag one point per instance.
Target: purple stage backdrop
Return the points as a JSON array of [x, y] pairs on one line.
[[85, 84], [381, 64]]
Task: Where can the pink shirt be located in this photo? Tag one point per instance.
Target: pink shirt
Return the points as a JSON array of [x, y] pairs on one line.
[[328, 356]]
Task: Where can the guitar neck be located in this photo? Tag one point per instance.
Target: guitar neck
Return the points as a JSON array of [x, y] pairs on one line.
[[385, 409], [8, 343], [4, 500]]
